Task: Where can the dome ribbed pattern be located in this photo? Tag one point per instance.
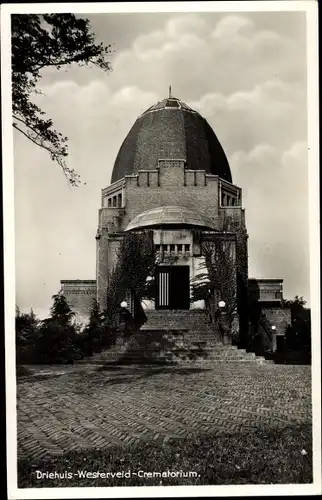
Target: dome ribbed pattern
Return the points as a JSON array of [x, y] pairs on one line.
[[170, 129], [170, 215]]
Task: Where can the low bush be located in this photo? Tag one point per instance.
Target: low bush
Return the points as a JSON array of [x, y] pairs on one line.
[[22, 371]]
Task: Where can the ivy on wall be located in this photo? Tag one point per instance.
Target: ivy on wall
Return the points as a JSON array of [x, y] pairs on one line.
[[223, 275], [217, 278], [135, 262]]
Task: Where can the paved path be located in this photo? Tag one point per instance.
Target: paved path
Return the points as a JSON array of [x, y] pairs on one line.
[[91, 409]]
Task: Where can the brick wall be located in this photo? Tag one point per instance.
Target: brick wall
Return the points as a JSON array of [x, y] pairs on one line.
[[277, 316], [171, 183], [108, 244], [102, 267], [80, 295], [168, 188], [266, 290]]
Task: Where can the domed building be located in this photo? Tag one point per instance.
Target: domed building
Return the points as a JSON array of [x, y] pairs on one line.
[[171, 130], [172, 177]]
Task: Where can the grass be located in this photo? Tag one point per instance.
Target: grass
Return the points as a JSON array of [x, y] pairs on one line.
[[275, 456]]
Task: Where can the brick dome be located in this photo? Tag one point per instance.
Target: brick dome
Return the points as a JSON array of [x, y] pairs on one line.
[[170, 129]]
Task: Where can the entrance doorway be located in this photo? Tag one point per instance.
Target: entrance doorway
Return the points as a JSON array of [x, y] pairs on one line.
[[280, 342], [173, 287]]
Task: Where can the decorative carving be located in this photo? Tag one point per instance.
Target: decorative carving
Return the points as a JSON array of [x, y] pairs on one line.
[[168, 163]]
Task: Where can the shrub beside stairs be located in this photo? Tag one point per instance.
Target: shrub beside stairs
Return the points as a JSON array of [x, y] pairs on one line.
[[175, 338]]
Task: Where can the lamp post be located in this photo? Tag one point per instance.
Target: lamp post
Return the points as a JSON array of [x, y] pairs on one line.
[[149, 287], [123, 320], [223, 323], [274, 346]]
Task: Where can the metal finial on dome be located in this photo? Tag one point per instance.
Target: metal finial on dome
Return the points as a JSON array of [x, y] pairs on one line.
[[170, 92]]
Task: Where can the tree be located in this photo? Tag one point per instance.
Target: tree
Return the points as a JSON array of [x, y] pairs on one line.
[[217, 276], [298, 333], [60, 311], [57, 342], [236, 226], [295, 305], [135, 262], [27, 330], [93, 337], [26, 325], [42, 41], [225, 271], [95, 316]]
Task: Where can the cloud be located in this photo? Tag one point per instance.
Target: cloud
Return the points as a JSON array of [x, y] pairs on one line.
[[230, 57], [248, 82], [272, 112], [275, 186], [55, 224]]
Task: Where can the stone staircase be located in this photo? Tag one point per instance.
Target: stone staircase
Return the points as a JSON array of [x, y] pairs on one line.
[[175, 337], [198, 335], [194, 320]]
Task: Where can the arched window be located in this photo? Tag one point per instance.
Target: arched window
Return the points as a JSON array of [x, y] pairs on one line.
[[119, 200]]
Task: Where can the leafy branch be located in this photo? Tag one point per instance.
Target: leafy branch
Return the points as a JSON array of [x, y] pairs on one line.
[[48, 40]]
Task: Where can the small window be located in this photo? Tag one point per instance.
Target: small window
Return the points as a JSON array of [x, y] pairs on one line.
[[157, 248], [187, 248], [172, 248], [233, 201], [119, 200], [228, 201], [109, 202], [165, 248], [223, 200], [114, 201], [172, 103], [179, 248]]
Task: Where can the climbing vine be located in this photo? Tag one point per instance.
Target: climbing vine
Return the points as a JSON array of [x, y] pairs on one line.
[[135, 262]]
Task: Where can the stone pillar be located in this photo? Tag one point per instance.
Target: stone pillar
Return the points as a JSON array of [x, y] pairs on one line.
[[102, 242]]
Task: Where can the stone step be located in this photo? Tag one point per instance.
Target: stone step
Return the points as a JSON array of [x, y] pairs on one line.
[[189, 328], [184, 319], [197, 362], [176, 315], [166, 319], [211, 357], [185, 325], [194, 362], [193, 317], [183, 312]]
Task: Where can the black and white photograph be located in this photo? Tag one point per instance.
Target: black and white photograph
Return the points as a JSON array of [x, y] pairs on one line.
[[161, 249]]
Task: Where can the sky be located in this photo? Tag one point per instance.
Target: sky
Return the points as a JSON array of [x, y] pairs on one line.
[[244, 72]]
